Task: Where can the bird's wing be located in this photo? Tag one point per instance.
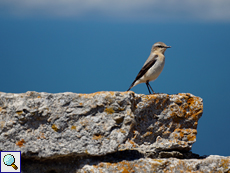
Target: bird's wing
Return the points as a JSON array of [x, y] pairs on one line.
[[144, 69]]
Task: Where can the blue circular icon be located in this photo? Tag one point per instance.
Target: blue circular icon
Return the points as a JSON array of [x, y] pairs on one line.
[[8, 159]]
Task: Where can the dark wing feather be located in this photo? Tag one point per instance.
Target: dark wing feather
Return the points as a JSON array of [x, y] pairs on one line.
[[143, 70]]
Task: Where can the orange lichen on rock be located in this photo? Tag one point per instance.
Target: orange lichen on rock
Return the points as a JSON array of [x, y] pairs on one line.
[[195, 115], [54, 127], [190, 100], [191, 137], [91, 95], [73, 127], [133, 143], [166, 133], [42, 136], [225, 164], [125, 167], [97, 137], [147, 134], [20, 143], [109, 110], [19, 112], [189, 134], [122, 131]]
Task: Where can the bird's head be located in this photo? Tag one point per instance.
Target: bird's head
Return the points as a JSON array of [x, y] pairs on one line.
[[159, 46]]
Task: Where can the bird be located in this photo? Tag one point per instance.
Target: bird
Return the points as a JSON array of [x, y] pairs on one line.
[[152, 67]]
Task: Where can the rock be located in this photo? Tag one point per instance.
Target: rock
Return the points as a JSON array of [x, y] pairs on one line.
[[172, 165], [93, 128], [47, 125]]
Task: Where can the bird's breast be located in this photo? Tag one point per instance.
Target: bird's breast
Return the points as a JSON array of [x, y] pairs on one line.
[[155, 70]]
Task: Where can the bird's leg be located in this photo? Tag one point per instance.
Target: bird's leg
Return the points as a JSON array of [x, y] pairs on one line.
[[147, 84], [148, 89], [151, 88]]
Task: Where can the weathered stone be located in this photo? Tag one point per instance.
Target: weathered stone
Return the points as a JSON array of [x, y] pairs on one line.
[[104, 132], [164, 122], [125, 163], [51, 125], [171, 165]]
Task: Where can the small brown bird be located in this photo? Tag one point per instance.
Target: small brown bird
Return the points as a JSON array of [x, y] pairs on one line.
[[152, 67]]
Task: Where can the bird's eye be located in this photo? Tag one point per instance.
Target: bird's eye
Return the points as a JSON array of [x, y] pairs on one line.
[[160, 46]]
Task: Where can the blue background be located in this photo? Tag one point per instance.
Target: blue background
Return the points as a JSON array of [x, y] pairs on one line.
[[86, 55]]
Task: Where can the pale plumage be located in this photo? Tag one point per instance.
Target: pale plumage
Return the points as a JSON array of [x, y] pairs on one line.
[[152, 67]]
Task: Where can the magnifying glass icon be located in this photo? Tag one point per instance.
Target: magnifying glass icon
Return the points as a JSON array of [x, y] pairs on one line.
[[9, 160]]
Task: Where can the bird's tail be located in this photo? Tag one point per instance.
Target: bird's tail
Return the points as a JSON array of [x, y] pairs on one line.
[[129, 88], [132, 85]]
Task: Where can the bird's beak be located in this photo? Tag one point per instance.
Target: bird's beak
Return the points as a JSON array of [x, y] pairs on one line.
[[168, 46]]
